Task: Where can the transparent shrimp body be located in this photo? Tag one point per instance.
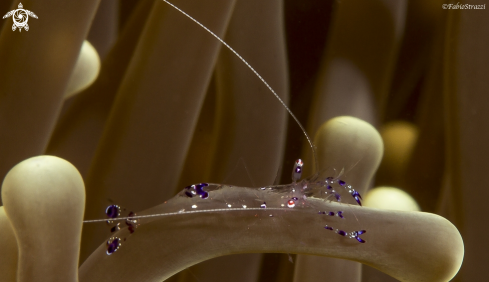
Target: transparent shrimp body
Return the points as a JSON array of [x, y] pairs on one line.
[[294, 195], [270, 201]]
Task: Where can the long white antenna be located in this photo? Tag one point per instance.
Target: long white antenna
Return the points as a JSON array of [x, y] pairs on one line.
[[316, 165], [182, 213]]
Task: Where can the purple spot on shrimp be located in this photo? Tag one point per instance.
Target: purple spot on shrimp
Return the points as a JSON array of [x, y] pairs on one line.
[[341, 182], [189, 193], [340, 214], [355, 193], [329, 187], [358, 200], [112, 245], [331, 213], [298, 169], [328, 227], [264, 205], [361, 232], [114, 229], [341, 232], [337, 196], [112, 211], [360, 239], [199, 188]]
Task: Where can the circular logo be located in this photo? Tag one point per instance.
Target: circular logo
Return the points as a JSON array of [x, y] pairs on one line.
[[20, 17]]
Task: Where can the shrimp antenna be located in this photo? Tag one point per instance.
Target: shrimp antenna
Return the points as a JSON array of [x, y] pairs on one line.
[[316, 165]]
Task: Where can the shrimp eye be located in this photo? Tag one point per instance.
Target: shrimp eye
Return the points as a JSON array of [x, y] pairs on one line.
[[297, 171]]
